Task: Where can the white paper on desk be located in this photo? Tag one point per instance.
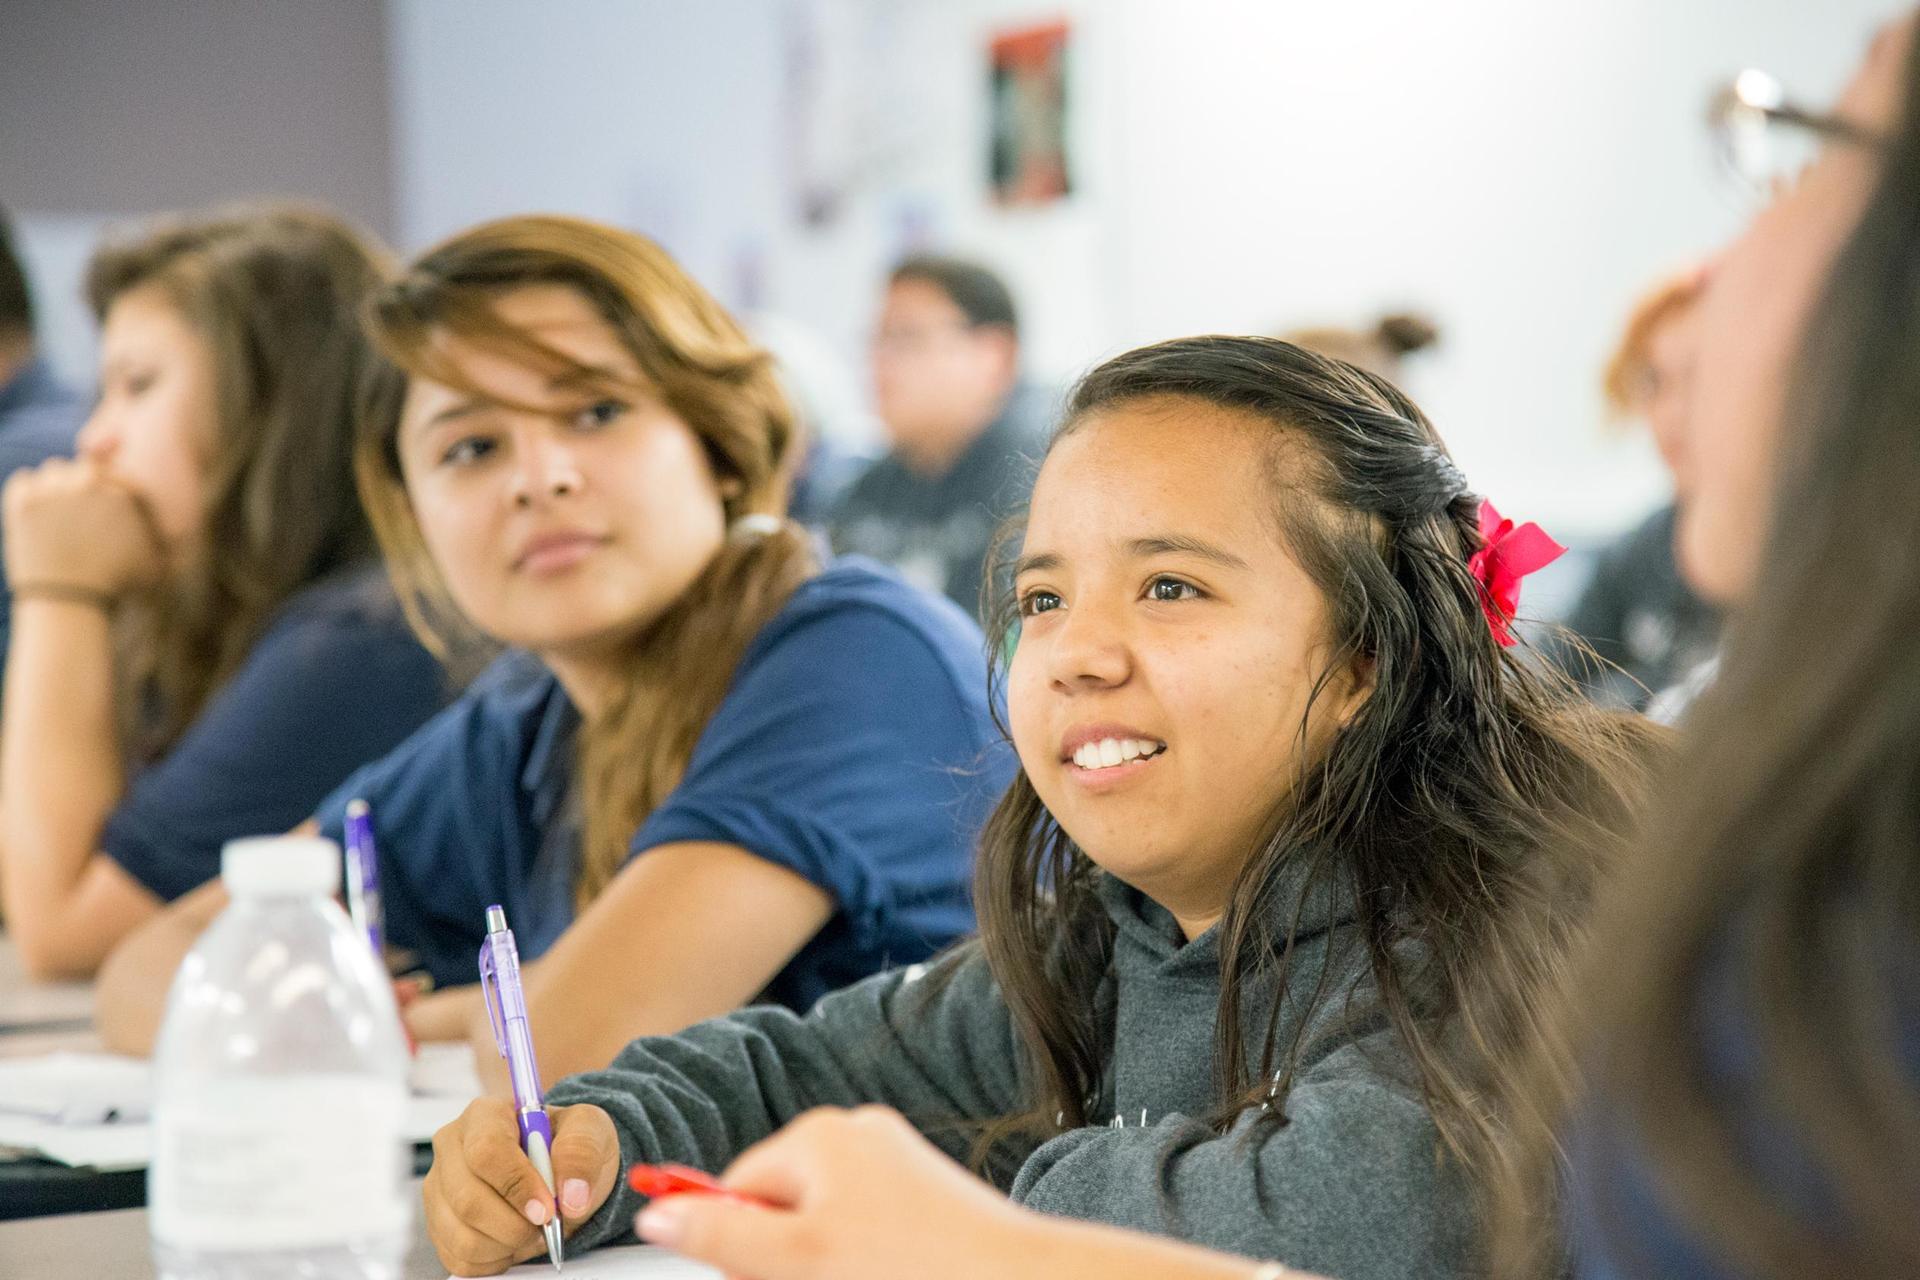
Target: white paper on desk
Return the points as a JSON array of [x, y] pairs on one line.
[[106, 1088], [129, 1144], [112, 1147], [76, 1088], [445, 1069], [637, 1261]]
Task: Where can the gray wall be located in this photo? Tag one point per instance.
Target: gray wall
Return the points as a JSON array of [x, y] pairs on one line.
[[122, 107], [112, 110]]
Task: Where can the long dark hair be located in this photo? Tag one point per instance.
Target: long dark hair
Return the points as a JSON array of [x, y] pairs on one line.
[[1438, 809], [1775, 915]]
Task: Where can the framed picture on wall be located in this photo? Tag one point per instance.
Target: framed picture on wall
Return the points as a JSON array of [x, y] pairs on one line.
[[1027, 146]]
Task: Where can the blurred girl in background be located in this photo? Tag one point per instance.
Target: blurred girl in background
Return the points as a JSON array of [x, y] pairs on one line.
[[203, 642]]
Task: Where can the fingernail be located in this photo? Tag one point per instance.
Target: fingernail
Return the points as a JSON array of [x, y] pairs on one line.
[[573, 1195], [536, 1213], [661, 1223]]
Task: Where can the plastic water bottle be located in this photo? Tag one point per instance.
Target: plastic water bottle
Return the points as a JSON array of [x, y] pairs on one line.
[[280, 1087]]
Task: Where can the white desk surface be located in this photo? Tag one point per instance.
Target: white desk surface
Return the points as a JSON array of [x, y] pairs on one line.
[[41, 1017], [115, 1246]]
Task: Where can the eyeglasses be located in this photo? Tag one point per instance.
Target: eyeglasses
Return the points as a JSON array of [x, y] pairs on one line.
[[1765, 141], [915, 341]]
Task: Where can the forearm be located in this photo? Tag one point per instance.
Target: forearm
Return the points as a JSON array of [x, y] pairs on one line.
[[130, 997], [60, 774], [585, 1005], [676, 1102], [939, 1051], [582, 1018], [1037, 1245], [704, 1096], [575, 1029], [451, 1013], [1351, 1186], [641, 960]]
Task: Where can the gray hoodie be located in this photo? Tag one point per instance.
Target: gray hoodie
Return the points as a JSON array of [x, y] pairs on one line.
[[1351, 1186]]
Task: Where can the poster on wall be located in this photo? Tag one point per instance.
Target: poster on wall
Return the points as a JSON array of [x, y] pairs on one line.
[[1027, 148]]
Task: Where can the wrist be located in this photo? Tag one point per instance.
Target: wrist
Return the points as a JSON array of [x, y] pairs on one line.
[[56, 590], [1011, 1242], [1037, 1244]]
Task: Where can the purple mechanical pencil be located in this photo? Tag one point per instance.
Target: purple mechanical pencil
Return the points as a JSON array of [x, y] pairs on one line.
[[507, 1011], [363, 875]]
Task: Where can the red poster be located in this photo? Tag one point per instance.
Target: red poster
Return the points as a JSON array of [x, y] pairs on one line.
[[1028, 157]]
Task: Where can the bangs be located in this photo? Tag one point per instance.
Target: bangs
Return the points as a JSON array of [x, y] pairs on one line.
[[415, 322]]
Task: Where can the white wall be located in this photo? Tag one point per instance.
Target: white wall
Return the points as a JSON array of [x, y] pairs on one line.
[[1519, 169], [654, 114], [677, 119], [54, 250]]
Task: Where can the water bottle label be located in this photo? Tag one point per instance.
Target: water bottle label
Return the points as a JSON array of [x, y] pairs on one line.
[[280, 1162]]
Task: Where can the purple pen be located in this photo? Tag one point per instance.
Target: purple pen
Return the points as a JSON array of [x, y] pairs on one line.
[[363, 875], [507, 1011]]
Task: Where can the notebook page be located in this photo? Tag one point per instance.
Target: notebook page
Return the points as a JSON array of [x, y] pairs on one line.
[[631, 1262]]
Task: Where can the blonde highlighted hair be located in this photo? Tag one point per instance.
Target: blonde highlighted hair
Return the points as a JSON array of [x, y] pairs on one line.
[[696, 360], [1625, 381]]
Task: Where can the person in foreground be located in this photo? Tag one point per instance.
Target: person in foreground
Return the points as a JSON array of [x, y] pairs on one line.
[[1264, 909], [859, 1195], [703, 733], [1752, 1099]]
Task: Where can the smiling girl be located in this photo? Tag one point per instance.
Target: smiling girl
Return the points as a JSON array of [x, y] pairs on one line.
[[1262, 913], [715, 768]]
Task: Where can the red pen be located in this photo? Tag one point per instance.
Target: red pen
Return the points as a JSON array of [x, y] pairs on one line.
[[657, 1181]]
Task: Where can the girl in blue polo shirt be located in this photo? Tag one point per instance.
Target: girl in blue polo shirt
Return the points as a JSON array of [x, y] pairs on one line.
[[203, 642], [711, 768]]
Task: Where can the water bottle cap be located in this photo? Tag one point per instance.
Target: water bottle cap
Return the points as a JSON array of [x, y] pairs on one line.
[[280, 866]]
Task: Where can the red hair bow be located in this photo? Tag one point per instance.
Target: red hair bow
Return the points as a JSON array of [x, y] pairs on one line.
[[1506, 555]]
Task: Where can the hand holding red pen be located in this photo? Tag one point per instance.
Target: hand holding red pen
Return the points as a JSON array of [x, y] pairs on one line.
[[859, 1195], [658, 1181]]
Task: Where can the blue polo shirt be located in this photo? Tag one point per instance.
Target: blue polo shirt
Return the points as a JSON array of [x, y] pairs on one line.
[[853, 747], [336, 680]]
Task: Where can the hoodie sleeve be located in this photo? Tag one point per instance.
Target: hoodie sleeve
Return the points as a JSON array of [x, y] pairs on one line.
[[932, 1041], [1352, 1185]]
